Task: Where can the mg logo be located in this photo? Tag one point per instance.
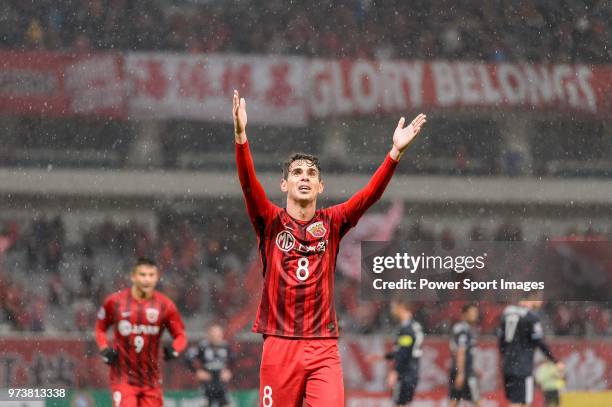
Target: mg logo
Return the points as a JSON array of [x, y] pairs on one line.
[[285, 240]]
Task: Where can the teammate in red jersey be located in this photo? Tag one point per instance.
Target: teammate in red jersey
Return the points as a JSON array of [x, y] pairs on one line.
[[298, 246], [139, 316]]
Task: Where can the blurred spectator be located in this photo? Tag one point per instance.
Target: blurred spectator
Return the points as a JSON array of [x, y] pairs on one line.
[[560, 31], [37, 313], [477, 234], [509, 232], [84, 314], [57, 291], [87, 273]]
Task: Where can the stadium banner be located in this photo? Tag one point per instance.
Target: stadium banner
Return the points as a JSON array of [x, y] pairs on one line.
[[75, 364], [293, 90], [33, 83], [440, 399], [95, 86], [366, 87], [430, 399], [371, 227], [199, 87], [249, 398], [286, 90], [588, 363], [587, 399], [56, 84]]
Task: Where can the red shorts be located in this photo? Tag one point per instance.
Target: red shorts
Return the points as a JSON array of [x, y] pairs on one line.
[[126, 395], [296, 371]]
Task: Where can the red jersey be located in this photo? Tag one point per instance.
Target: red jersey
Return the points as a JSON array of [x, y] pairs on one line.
[[299, 258], [137, 328]]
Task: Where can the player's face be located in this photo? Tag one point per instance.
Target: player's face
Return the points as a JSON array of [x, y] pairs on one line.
[[398, 311], [145, 278], [471, 315], [394, 310], [536, 304], [215, 334], [303, 181]]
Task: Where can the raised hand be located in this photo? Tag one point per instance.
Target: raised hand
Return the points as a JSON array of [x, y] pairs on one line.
[[403, 136], [240, 117]]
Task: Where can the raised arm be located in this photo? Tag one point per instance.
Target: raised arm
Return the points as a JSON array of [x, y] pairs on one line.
[[356, 206], [258, 205]]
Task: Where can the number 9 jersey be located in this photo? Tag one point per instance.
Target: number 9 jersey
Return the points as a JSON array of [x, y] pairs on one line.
[[137, 329]]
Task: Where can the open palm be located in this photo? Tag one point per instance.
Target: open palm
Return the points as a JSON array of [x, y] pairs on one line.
[[403, 136], [239, 113]]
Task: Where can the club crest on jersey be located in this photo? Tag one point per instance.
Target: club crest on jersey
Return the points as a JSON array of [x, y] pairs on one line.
[[317, 229], [152, 314], [285, 240]]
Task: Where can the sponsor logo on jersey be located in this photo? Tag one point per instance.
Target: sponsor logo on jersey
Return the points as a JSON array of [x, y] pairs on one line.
[[285, 240], [152, 314], [126, 328], [316, 248], [317, 229]]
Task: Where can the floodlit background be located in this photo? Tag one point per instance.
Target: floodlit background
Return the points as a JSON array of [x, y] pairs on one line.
[[116, 142]]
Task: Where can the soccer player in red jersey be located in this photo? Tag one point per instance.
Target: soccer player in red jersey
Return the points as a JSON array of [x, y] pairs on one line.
[[138, 316], [298, 246]]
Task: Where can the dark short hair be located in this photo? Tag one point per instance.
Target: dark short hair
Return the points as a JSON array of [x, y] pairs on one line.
[[466, 307], [403, 303], [144, 261], [297, 157]]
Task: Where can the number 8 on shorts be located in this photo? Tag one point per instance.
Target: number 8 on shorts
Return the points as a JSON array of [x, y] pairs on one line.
[[267, 397]]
